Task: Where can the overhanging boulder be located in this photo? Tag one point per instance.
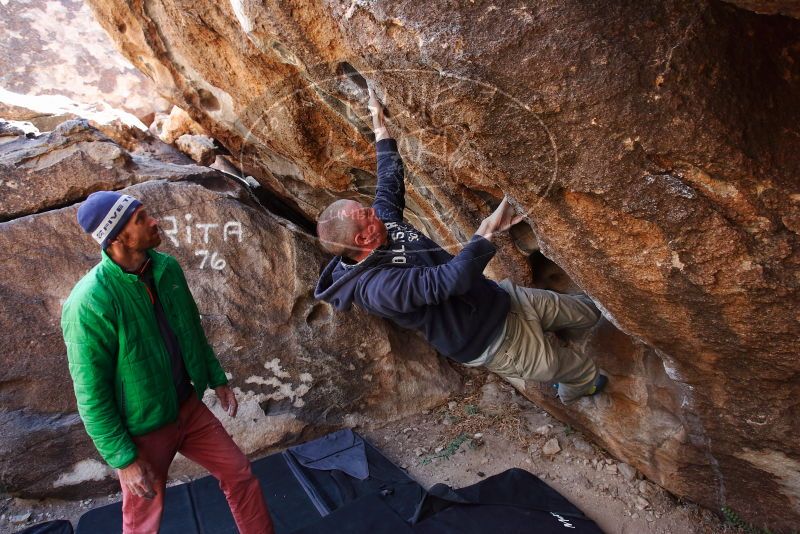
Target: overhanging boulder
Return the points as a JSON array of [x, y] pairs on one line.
[[653, 146]]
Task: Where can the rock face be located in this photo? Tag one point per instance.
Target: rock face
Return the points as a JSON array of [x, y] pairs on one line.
[[654, 148], [177, 124], [55, 47], [789, 8], [298, 369], [70, 162], [198, 147]]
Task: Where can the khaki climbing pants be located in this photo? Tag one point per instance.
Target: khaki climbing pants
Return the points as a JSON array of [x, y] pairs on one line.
[[526, 353]]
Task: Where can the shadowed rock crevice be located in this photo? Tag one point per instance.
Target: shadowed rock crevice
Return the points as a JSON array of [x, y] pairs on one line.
[[548, 275], [271, 201], [283, 208], [54, 207]]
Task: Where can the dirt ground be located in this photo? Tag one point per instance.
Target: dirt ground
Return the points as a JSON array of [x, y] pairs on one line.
[[484, 431], [492, 428]]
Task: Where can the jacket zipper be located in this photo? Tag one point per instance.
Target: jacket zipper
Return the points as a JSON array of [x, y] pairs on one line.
[[122, 403]]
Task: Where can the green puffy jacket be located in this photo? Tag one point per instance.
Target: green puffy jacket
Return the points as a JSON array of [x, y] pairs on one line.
[[119, 364]]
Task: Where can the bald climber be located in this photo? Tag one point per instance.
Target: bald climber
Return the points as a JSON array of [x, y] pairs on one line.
[[392, 270], [340, 228]]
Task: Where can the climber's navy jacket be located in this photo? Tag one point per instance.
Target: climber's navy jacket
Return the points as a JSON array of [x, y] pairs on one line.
[[414, 282]]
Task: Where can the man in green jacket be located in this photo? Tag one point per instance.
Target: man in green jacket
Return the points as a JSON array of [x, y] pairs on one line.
[[140, 362]]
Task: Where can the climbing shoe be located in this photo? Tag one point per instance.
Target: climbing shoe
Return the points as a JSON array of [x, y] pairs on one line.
[[598, 386], [599, 383]]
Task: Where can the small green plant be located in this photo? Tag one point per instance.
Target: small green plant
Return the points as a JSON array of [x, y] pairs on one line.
[[733, 519], [568, 430], [448, 451], [471, 409]]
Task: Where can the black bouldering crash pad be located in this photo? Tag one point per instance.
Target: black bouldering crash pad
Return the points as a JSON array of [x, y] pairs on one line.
[[341, 484]]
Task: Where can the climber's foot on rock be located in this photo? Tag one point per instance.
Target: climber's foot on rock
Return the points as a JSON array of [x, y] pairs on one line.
[[598, 386]]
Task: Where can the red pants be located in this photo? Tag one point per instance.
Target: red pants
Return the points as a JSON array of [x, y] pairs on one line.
[[200, 437]]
